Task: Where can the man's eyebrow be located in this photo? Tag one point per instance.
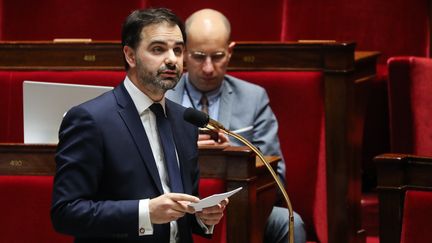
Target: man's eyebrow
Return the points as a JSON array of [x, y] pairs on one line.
[[181, 43], [159, 42]]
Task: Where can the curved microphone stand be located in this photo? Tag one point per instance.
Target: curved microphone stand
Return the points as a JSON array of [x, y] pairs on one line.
[[272, 172], [201, 119]]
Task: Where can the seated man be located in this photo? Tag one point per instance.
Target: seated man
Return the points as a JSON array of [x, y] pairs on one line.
[[235, 103]]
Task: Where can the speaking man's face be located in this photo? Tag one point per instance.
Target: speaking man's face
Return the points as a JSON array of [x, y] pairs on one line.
[[159, 56]]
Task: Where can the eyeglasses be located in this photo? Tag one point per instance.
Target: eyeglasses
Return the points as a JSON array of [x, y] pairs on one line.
[[201, 57]]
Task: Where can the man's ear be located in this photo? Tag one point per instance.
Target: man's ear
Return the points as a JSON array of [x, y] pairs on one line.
[[129, 55], [231, 48]]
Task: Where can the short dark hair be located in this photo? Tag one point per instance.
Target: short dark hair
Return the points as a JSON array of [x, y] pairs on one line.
[[138, 19]]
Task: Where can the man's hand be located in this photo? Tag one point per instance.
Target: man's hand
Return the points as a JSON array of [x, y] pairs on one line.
[[205, 139], [212, 215], [169, 207]]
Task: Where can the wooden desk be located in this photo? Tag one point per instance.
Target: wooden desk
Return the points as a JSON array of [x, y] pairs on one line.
[[398, 173], [236, 165]]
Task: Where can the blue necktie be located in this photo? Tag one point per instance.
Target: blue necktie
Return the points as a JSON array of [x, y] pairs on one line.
[[168, 147], [204, 103]]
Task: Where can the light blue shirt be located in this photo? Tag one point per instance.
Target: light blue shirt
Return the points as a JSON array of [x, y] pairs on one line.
[[192, 97]]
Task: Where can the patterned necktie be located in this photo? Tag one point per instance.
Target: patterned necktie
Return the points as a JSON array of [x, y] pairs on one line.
[[204, 104], [168, 147]]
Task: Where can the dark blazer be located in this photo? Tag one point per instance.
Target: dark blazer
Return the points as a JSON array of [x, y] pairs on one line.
[[105, 166]]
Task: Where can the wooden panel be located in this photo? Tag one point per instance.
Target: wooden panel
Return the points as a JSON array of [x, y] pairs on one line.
[[104, 55], [61, 56], [16, 159]]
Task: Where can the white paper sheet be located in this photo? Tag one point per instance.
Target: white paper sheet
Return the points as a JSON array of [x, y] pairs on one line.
[[213, 200]]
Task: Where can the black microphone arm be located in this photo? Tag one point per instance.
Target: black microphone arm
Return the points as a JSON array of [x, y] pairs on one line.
[[201, 119]]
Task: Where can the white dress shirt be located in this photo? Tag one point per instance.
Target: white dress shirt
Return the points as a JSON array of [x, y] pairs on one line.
[[142, 103], [148, 118]]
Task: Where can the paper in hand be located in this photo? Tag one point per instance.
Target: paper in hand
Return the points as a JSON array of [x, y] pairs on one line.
[[213, 200]]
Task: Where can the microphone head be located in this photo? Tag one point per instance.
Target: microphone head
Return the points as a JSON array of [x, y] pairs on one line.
[[197, 118]]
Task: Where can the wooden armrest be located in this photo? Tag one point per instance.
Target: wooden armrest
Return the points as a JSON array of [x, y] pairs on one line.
[[398, 173], [401, 158]]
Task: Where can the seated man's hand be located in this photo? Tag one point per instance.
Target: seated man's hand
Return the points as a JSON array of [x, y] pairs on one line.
[[205, 139], [212, 215], [170, 206]]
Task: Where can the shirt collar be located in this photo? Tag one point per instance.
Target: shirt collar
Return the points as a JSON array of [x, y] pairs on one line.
[[141, 100], [195, 94]]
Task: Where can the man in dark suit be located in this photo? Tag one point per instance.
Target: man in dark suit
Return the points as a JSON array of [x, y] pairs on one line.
[[239, 105], [126, 160]]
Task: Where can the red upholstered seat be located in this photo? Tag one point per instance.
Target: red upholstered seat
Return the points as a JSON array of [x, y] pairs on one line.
[[417, 215], [410, 103], [368, 23], [25, 210], [297, 101]]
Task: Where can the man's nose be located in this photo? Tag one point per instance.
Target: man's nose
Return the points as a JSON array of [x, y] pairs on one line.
[[171, 58], [208, 65]]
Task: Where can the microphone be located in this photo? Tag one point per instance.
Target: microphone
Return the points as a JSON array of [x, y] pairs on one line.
[[201, 119]]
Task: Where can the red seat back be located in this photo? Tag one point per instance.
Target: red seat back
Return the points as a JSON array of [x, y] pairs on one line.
[[297, 99], [410, 105], [98, 20], [367, 22], [25, 210]]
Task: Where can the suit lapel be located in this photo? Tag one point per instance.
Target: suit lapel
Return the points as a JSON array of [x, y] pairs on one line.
[[132, 120], [226, 104]]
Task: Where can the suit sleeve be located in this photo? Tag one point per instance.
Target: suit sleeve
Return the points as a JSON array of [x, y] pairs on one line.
[[75, 208], [265, 132]]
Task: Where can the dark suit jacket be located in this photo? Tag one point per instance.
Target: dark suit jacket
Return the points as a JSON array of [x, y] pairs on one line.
[[105, 166]]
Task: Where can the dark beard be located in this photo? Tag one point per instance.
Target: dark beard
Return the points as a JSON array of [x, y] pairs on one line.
[[147, 77]]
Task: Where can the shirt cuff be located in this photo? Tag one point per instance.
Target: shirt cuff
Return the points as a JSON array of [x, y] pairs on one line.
[[145, 226], [208, 229]]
